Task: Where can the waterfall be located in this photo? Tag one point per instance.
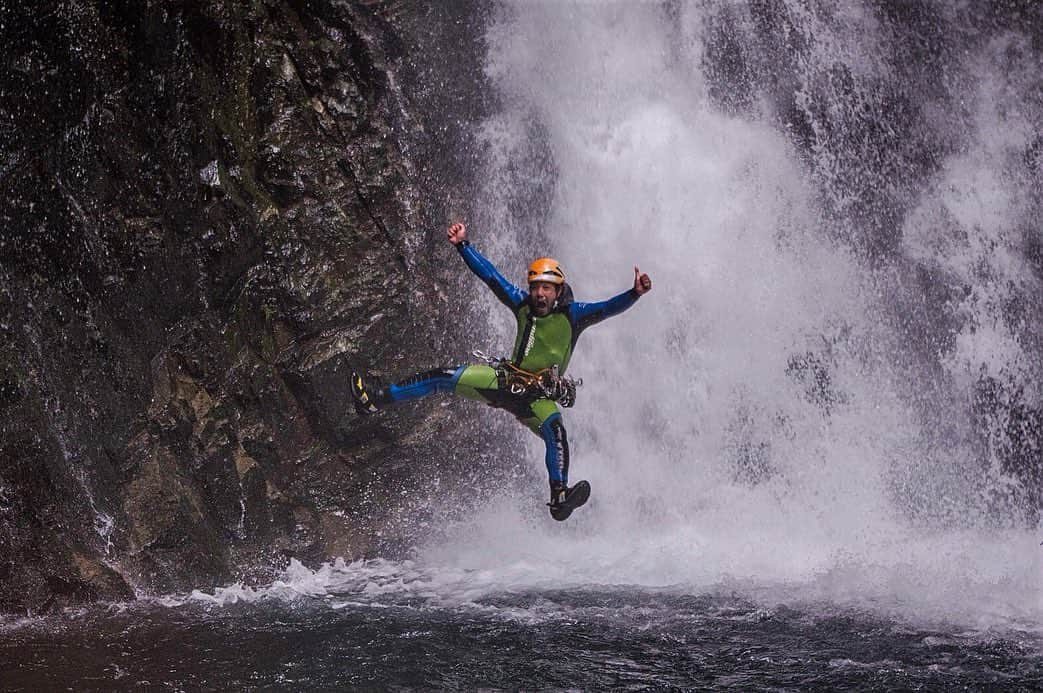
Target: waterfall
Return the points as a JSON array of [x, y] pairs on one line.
[[834, 382]]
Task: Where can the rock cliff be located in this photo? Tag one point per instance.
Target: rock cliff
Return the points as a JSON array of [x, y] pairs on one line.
[[210, 213]]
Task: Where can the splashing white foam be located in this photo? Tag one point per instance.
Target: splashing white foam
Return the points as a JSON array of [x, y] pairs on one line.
[[744, 421]]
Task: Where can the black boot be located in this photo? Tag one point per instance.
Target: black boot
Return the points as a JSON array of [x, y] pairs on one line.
[[563, 500], [368, 399]]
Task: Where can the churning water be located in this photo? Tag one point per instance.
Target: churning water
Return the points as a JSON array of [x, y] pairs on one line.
[[800, 477], [776, 411], [409, 625]]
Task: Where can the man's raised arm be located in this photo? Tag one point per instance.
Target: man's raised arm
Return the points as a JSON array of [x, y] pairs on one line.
[[509, 295], [586, 314]]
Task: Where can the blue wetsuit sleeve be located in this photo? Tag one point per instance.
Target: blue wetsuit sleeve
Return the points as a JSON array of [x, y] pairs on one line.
[[509, 295], [586, 314]]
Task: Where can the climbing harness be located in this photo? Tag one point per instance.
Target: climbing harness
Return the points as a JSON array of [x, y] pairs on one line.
[[543, 384]]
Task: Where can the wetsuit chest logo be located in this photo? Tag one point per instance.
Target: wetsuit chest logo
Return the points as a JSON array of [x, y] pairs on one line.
[[532, 338]]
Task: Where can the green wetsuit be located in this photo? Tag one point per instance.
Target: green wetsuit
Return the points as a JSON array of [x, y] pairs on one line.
[[541, 343]]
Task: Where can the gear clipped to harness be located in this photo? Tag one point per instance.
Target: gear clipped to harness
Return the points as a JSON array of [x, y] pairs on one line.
[[559, 388], [544, 384]]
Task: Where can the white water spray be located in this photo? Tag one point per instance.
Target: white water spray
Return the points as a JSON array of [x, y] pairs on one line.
[[743, 422], [755, 425]]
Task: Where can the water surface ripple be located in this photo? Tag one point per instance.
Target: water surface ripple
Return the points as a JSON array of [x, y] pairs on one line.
[[368, 634]]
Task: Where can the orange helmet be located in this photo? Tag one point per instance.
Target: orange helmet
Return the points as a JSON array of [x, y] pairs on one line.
[[546, 269]]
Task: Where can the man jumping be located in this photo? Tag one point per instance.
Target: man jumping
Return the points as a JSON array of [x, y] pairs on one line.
[[532, 382]]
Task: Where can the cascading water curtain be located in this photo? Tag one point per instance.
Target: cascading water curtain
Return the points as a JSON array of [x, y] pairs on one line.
[[834, 381]]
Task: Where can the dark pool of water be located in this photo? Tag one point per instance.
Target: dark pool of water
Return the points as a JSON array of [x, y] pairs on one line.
[[593, 638]]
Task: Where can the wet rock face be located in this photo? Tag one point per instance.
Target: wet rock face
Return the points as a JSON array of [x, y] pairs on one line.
[[211, 212]]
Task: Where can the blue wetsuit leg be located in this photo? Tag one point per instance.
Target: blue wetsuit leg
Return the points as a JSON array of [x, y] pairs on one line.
[[557, 441], [426, 383]]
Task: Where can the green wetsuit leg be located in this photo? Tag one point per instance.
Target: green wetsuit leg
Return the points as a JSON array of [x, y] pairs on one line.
[[540, 411], [481, 383], [541, 416], [546, 422], [475, 380]]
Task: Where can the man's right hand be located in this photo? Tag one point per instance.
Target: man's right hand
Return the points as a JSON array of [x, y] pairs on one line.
[[457, 233]]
